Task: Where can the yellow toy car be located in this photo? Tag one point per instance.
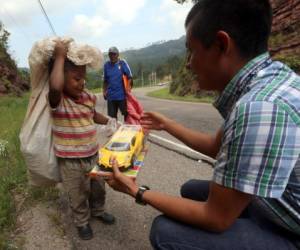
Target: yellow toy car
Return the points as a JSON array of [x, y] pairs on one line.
[[126, 144]]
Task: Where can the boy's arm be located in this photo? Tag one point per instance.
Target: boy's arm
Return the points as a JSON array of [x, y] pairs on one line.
[[100, 119], [56, 82]]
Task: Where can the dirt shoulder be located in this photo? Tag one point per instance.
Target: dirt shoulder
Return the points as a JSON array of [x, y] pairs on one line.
[[39, 226]]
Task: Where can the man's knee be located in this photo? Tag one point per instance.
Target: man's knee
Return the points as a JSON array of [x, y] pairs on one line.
[[159, 231], [195, 190]]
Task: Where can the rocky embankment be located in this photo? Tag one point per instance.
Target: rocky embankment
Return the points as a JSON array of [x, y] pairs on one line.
[[10, 80], [286, 27]]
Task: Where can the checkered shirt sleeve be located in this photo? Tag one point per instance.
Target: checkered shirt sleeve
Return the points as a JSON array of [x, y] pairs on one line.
[[260, 148]]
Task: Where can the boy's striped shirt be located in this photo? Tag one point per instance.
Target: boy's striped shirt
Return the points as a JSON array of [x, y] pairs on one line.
[[74, 130]]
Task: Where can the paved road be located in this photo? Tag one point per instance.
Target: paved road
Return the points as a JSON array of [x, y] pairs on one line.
[[164, 171], [198, 116]]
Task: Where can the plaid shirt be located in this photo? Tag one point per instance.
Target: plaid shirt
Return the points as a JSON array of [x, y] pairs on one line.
[[261, 141]]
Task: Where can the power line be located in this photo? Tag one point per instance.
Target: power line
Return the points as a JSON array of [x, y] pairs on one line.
[[47, 18], [16, 24]]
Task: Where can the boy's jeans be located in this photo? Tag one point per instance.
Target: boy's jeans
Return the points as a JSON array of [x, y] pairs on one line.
[[245, 233], [84, 193]]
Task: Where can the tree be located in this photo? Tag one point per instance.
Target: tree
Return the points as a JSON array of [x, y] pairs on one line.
[[4, 34], [4, 55]]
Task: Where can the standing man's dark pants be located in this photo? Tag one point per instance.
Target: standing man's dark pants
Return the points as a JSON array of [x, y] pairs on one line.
[[247, 232], [113, 106]]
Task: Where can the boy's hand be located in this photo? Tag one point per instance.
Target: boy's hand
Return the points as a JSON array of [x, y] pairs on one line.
[[100, 119], [60, 50], [153, 120]]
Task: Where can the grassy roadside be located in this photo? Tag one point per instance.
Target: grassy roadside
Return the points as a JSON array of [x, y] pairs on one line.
[[164, 94], [12, 166], [96, 90]]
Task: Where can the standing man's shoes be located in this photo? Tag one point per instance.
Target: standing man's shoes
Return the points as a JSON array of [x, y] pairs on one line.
[[85, 232], [106, 218]]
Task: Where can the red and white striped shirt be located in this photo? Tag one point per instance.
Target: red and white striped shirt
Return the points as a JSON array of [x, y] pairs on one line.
[[74, 130]]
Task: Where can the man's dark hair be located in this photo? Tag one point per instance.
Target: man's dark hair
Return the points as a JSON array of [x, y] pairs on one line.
[[248, 23]]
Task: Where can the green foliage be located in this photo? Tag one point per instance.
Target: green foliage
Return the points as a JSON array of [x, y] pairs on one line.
[[94, 79], [293, 61], [24, 74], [12, 168], [165, 94], [171, 66], [4, 56], [5, 81], [276, 40], [182, 81], [4, 34], [158, 55]]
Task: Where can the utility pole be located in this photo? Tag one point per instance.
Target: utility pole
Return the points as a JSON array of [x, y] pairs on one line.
[[142, 79]]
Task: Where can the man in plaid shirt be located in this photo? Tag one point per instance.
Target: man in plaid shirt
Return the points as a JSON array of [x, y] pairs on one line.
[[253, 199]]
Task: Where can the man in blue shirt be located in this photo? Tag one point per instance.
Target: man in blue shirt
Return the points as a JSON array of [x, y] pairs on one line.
[[113, 86]]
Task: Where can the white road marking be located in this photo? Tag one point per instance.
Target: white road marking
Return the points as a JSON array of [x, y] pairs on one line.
[[180, 148]]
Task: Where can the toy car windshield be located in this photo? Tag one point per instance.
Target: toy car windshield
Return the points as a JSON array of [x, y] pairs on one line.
[[118, 146]]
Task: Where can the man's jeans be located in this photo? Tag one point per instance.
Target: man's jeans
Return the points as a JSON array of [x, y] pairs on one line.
[[247, 232]]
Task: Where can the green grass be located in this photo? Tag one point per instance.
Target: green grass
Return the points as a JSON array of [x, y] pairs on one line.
[[164, 94], [12, 166], [96, 90]]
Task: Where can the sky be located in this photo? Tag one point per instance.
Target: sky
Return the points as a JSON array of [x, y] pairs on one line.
[[100, 23]]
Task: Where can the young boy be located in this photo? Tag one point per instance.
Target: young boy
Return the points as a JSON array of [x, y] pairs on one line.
[[75, 142]]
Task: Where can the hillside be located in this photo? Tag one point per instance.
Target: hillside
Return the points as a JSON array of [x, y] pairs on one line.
[[12, 80], [149, 58], [285, 42], [155, 54]]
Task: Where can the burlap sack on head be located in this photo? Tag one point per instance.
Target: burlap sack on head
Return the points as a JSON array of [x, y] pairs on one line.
[[36, 132]]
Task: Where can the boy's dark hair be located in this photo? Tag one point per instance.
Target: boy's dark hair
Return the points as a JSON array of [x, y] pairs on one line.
[[69, 65], [248, 22]]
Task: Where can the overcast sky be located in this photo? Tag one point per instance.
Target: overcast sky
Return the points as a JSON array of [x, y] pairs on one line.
[[102, 23]]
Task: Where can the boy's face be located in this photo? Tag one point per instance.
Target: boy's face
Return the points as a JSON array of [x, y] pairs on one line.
[[74, 81]]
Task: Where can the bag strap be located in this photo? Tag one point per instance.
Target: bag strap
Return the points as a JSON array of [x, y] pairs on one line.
[[124, 77]]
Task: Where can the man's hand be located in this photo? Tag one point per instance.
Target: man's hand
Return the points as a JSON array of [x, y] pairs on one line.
[[119, 181], [153, 120]]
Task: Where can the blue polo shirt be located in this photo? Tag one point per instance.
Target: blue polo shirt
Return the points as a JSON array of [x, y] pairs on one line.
[[113, 77]]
